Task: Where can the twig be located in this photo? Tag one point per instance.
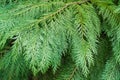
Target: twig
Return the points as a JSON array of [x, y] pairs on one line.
[[75, 69]]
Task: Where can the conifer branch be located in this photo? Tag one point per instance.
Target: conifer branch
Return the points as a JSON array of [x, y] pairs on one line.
[[35, 6], [62, 9], [57, 12], [36, 22]]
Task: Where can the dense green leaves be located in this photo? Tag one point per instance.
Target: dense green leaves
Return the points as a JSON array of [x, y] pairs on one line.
[[59, 39]]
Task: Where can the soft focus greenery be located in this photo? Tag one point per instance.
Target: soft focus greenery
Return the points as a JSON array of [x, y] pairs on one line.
[[59, 39]]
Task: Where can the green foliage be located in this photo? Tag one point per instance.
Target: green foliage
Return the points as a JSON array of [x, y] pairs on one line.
[[59, 39]]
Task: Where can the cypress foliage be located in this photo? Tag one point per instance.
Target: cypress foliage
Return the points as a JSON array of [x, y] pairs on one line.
[[59, 39]]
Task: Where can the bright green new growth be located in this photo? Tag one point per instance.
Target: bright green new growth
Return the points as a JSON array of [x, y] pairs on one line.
[[59, 39]]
